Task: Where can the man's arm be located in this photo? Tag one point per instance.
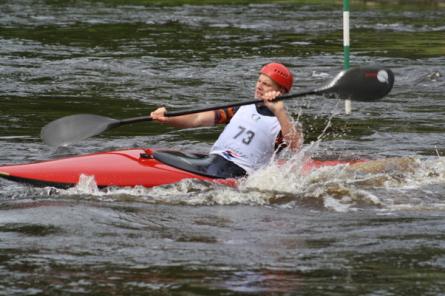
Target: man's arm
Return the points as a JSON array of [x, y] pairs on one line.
[[292, 135], [184, 121]]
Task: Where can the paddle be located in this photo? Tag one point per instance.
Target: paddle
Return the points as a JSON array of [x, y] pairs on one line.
[[366, 84]]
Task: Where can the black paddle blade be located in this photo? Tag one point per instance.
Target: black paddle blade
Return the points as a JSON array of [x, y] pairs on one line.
[[74, 128], [365, 84]]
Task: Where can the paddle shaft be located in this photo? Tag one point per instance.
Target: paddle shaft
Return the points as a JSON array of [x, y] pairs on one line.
[[366, 84], [211, 108]]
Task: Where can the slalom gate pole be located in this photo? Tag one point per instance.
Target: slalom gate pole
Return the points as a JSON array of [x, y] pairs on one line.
[[346, 43]]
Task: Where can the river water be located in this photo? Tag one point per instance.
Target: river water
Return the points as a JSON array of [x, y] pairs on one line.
[[332, 232]]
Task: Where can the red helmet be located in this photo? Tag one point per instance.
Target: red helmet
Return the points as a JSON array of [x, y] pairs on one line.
[[280, 74]]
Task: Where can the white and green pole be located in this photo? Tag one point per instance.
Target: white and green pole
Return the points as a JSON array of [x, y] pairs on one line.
[[346, 46]]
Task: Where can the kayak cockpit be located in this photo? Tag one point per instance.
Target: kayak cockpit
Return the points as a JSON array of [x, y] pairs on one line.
[[213, 166]]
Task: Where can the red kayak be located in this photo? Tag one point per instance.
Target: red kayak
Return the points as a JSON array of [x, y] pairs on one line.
[[125, 168]]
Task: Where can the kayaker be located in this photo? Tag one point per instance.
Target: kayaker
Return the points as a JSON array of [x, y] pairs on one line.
[[253, 132]]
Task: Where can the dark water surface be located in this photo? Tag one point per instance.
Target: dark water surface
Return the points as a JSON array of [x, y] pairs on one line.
[[331, 232]]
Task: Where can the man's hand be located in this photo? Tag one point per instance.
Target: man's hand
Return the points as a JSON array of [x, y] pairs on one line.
[[159, 115], [273, 105]]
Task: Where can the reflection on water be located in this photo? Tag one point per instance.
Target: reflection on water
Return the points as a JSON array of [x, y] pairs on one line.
[[369, 228]]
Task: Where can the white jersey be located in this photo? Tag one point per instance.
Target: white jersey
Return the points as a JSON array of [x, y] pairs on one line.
[[249, 139]]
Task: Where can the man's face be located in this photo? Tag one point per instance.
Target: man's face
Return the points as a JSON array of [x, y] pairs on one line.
[[263, 85]]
